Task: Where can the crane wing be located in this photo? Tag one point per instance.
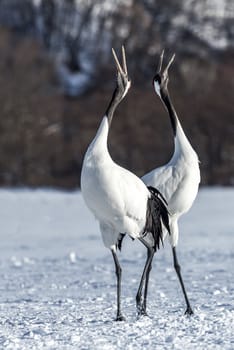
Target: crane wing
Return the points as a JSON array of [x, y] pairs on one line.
[[166, 179]]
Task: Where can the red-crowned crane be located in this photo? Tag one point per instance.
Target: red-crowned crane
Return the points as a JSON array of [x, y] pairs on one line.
[[179, 179], [119, 200]]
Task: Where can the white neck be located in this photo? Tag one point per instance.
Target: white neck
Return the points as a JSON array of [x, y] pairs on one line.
[[98, 151], [183, 148], [182, 145]]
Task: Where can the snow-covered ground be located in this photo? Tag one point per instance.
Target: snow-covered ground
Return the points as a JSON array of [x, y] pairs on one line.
[[57, 281]]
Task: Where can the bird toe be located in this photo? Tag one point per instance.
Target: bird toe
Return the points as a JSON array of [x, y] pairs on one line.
[[142, 312], [120, 318], [189, 311]]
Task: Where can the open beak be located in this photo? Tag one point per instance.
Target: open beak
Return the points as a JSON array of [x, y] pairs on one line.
[[122, 70]]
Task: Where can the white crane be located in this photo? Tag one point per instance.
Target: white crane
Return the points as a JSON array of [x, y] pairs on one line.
[[120, 201], [179, 179]]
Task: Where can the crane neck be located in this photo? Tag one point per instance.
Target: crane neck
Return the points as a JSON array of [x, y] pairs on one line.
[[171, 111], [98, 147], [182, 144], [115, 100]]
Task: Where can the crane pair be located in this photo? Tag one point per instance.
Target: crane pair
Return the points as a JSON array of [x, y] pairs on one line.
[[146, 209]]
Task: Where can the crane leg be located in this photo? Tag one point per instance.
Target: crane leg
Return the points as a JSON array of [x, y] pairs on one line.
[[141, 307], [146, 286], [118, 272], [189, 310]]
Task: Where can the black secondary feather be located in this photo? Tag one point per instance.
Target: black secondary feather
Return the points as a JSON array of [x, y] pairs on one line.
[[157, 214], [157, 193], [120, 240]]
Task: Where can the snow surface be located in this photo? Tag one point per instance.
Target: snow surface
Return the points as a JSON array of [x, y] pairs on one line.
[[57, 283]]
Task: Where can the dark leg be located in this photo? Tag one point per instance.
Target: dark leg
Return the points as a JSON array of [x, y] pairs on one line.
[[118, 271], [141, 308], [189, 310], [146, 286]]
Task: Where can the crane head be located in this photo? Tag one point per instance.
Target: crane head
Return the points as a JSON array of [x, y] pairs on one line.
[[123, 81], [161, 79]]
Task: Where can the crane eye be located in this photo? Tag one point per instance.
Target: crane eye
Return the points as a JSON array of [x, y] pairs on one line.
[[157, 79]]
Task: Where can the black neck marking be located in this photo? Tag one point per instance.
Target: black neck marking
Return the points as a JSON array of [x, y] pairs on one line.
[[115, 100], [171, 110]]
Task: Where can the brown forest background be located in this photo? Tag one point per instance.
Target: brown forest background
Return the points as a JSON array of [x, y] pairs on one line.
[[44, 131]]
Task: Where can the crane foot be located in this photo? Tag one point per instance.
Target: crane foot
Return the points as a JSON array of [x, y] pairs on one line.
[[189, 311], [120, 318]]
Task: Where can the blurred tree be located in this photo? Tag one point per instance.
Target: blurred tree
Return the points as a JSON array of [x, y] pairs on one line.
[[47, 24], [51, 99]]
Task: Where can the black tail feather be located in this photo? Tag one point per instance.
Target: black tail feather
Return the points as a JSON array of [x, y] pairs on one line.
[[157, 214], [120, 241], [156, 192]]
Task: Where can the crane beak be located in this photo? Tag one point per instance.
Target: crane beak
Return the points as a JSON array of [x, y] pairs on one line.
[[170, 62], [161, 80], [118, 66], [160, 62], [124, 61], [121, 69]]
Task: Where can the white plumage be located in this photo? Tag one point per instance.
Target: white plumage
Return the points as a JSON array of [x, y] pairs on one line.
[[116, 196], [119, 200], [179, 179]]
